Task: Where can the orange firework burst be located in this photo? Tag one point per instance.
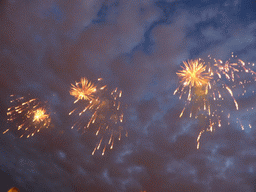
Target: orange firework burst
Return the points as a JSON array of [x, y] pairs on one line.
[[30, 116], [106, 116], [207, 84], [83, 90]]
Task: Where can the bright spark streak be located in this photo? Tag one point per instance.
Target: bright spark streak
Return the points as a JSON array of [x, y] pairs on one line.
[[198, 139]]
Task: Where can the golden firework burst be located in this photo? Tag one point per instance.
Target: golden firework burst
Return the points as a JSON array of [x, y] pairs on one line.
[[194, 73], [40, 115], [83, 90]]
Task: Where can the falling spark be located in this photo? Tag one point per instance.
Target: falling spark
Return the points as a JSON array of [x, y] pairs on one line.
[[182, 112], [198, 139], [242, 127]]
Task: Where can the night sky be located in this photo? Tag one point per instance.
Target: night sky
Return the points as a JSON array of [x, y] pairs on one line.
[[137, 46]]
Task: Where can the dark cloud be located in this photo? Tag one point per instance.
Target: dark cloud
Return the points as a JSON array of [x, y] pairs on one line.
[[146, 109]]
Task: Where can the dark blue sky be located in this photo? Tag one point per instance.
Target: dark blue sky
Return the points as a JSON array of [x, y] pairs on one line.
[[137, 46]]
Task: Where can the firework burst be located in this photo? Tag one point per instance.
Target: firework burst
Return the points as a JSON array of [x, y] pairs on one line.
[[194, 74], [30, 116], [207, 87], [83, 90], [106, 117]]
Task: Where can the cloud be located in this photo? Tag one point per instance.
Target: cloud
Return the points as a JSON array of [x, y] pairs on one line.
[[48, 45]]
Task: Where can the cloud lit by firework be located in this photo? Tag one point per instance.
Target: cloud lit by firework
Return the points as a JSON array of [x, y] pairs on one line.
[[104, 109], [208, 86], [29, 115]]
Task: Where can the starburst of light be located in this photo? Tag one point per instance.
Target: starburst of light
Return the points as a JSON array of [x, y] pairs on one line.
[[40, 115], [194, 74], [83, 90]]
